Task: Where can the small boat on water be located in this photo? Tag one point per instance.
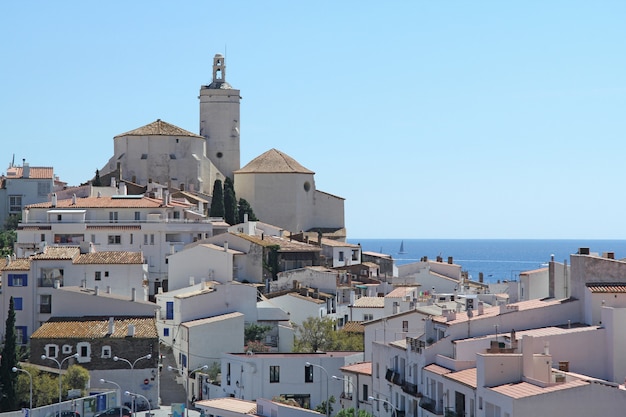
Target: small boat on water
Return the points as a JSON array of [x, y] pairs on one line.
[[401, 251]]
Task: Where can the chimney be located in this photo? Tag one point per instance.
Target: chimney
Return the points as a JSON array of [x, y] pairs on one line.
[[245, 217], [192, 281], [113, 182], [96, 290], [99, 194], [54, 199], [225, 246], [166, 199], [74, 199], [8, 260], [25, 169], [133, 294], [122, 189], [111, 326], [450, 260]]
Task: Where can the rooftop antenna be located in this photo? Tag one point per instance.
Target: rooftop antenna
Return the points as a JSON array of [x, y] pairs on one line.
[[13, 161]]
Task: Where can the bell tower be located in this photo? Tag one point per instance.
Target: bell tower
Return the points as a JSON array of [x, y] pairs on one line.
[[219, 120]]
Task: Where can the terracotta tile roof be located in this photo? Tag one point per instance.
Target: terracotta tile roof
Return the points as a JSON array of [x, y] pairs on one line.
[[234, 405], [524, 389], [306, 298], [19, 264], [34, 227], [336, 243], [363, 368], [112, 257], [57, 253], [534, 271], [353, 327], [606, 287], [110, 202], [159, 128], [369, 302], [94, 328], [286, 245], [35, 173], [273, 161], [436, 369], [465, 377]]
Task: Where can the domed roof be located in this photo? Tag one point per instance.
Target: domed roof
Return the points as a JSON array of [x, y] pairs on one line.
[[273, 161]]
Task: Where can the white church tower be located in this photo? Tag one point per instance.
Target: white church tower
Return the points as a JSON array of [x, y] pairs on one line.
[[219, 120]]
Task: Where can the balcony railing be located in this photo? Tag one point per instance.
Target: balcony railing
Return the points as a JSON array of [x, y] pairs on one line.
[[48, 282], [431, 406], [411, 389]]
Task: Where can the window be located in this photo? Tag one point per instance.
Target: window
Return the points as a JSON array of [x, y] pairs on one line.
[[18, 280], [177, 215], [131, 238], [113, 216], [84, 352], [137, 215], [17, 303], [93, 238], [59, 217], [66, 349], [43, 188], [144, 156], [365, 393], [45, 304], [106, 352], [274, 373], [106, 274], [368, 317], [340, 256], [52, 351], [166, 332], [405, 325], [355, 255], [152, 239], [21, 335], [145, 239], [98, 276], [15, 203], [169, 310], [43, 237], [115, 239], [308, 373]]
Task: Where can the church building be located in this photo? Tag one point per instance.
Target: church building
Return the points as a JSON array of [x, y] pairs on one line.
[[280, 190]]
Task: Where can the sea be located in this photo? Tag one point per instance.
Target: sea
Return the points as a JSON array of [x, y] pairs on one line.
[[497, 259]]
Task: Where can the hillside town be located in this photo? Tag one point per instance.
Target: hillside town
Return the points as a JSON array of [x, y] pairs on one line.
[[133, 276]]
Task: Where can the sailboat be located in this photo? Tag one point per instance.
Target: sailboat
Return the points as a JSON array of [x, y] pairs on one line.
[[401, 251]]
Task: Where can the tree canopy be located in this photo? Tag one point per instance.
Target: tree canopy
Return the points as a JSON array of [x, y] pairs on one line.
[[8, 378], [319, 334], [217, 200]]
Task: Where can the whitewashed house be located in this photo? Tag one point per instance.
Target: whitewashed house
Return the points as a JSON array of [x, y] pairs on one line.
[[233, 407]]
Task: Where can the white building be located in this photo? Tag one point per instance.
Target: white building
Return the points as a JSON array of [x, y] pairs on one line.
[[268, 375], [32, 281], [233, 407], [22, 186], [155, 227]]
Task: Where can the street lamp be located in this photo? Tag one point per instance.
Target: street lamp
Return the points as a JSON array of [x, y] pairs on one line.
[[355, 402], [30, 409], [132, 364], [60, 365], [171, 368], [393, 409], [134, 396], [104, 381], [327, 396]]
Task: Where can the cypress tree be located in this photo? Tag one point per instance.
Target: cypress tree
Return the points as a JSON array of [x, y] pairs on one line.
[[244, 208], [97, 182], [230, 202], [217, 201], [8, 378]]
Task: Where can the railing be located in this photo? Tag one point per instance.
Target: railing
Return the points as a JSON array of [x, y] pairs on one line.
[[449, 412], [48, 282], [431, 406], [411, 389], [121, 222], [394, 377]]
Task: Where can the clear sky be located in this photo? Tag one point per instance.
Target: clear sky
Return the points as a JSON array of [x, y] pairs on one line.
[[433, 119]]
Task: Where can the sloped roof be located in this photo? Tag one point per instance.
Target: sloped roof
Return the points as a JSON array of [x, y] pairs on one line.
[[58, 253], [159, 128], [364, 368], [606, 287], [369, 302], [19, 264], [234, 405], [110, 202], [95, 327], [34, 173], [110, 257], [286, 245], [273, 162]]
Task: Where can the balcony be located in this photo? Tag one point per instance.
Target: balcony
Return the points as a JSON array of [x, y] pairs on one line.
[[431, 406], [411, 389], [48, 282]]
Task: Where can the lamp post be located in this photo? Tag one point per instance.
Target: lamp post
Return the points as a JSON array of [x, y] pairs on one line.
[[132, 368], [327, 396], [171, 368], [134, 395], [30, 408], [60, 365], [393, 409], [355, 402], [104, 381]]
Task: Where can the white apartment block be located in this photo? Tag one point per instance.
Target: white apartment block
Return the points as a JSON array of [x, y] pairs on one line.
[[155, 227]]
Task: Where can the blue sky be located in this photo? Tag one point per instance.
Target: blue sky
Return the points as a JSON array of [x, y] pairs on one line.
[[433, 119]]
